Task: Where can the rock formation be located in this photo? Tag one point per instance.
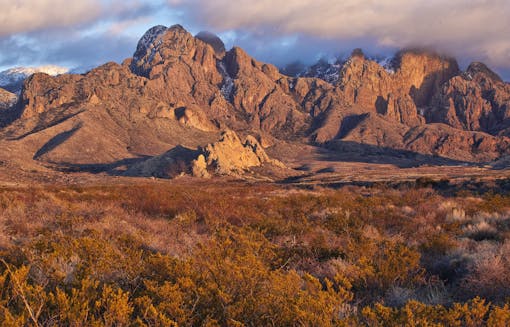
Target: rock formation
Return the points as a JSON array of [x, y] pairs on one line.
[[228, 157], [477, 100], [416, 78], [213, 40]]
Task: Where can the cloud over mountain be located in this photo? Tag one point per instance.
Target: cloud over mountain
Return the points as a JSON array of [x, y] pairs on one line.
[[89, 32], [477, 28]]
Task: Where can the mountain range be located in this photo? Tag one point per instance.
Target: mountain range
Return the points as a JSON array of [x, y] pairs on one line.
[[12, 79], [180, 91]]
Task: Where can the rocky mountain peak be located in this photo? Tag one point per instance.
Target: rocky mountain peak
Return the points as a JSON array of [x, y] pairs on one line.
[[213, 40], [478, 68], [358, 53], [418, 65], [160, 44], [424, 72], [400, 91], [410, 61], [478, 100], [236, 59], [147, 41]]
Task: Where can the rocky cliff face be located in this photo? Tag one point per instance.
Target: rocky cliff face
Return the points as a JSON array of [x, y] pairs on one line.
[[416, 78], [181, 90], [478, 100], [323, 69]]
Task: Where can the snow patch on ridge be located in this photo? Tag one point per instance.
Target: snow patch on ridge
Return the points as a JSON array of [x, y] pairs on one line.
[[326, 70], [12, 79], [148, 42], [227, 89], [387, 64]]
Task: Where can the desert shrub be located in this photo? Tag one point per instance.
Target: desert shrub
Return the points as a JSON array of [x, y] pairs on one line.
[[482, 231], [412, 314], [474, 313], [490, 202], [441, 257], [392, 264], [168, 254], [91, 303], [64, 260], [238, 281], [233, 279], [438, 244], [499, 316], [21, 301], [488, 273]]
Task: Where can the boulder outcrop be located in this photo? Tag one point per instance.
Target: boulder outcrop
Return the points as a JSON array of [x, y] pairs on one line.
[[229, 156]]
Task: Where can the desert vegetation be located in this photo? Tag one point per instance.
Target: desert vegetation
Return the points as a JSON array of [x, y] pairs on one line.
[[191, 253]]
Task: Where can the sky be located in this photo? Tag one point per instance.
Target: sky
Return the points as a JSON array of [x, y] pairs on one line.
[[87, 33]]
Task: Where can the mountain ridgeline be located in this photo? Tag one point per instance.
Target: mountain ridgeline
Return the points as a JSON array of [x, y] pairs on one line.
[[182, 91]]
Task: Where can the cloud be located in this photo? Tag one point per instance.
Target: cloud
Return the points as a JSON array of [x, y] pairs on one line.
[[29, 15], [76, 50], [85, 32], [24, 16], [71, 33], [475, 28]]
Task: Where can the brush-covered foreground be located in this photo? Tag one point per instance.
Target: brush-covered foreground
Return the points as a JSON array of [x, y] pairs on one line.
[[198, 254]]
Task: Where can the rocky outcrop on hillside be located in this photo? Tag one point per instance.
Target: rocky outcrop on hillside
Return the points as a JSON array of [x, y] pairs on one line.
[[229, 156], [213, 40], [232, 156], [477, 100], [400, 94]]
